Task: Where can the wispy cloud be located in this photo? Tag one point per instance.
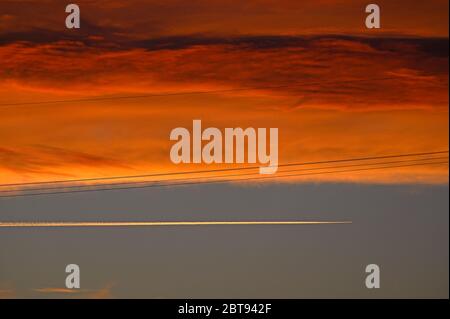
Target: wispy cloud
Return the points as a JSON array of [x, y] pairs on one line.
[[322, 69], [7, 294], [101, 293], [343, 93], [19, 159], [142, 18], [51, 290]]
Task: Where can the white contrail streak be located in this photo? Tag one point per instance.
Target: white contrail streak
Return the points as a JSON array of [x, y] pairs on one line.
[[180, 223]]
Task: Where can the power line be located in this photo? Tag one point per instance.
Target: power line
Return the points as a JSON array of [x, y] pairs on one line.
[[225, 169], [216, 181], [217, 176], [125, 97]]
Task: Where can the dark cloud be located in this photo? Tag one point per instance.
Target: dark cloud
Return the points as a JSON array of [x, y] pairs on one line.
[[416, 67], [95, 35]]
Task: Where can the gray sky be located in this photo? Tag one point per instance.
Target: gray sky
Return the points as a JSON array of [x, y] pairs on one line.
[[403, 229]]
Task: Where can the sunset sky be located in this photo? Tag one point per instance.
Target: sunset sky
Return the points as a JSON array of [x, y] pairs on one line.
[[351, 91], [78, 104]]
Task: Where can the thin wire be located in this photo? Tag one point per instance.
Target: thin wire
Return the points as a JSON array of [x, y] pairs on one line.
[[214, 181], [215, 176], [19, 104], [224, 169]]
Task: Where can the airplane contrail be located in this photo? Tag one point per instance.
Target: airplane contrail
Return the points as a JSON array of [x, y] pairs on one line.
[[166, 223]]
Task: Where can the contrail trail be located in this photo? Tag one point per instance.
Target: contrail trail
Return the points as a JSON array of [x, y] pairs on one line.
[[180, 223]]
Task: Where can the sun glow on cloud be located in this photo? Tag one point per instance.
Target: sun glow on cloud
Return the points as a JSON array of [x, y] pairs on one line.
[[331, 96]]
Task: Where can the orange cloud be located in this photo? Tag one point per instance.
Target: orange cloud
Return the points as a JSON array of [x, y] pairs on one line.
[[331, 71], [7, 294], [155, 18], [102, 293], [59, 290], [304, 85]]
